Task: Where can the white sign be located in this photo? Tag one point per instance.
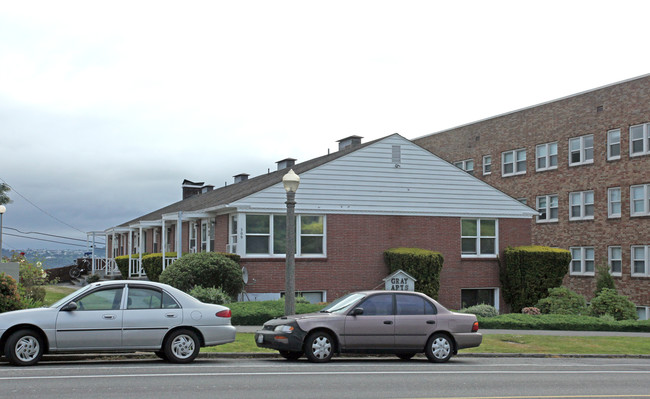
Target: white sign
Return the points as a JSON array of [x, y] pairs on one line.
[[400, 281]]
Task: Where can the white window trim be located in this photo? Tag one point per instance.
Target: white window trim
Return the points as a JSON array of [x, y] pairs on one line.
[[548, 208], [243, 235], [611, 157], [547, 157], [582, 205], [582, 151], [646, 259], [478, 237], [463, 165], [646, 200], [610, 258], [583, 262], [515, 171], [484, 164], [647, 312], [610, 212], [646, 140]]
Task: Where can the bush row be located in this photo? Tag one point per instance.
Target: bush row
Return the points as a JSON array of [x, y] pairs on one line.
[[257, 313], [152, 263], [518, 321]]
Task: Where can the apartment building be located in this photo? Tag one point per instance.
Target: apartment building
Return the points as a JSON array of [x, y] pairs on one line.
[[583, 162]]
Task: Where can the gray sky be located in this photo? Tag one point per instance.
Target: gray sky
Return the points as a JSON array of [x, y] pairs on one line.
[[105, 107]]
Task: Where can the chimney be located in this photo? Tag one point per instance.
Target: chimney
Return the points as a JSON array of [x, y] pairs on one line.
[[191, 188], [241, 177], [352, 141], [286, 163], [207, 188]]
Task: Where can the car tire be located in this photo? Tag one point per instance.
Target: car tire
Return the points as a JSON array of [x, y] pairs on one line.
[[405, 356], [182, 346], [24, 348], [291, 356], [439, 348], [161, 354], [319, 347]]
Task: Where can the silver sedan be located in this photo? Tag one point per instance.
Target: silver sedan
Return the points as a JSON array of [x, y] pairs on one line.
[[117, 316]]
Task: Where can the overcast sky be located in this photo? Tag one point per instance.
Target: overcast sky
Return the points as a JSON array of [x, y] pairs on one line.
[[105, 107]]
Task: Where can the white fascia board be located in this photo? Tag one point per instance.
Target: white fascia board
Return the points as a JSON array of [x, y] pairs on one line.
[[186, 215], [147, 223], [118, 230]]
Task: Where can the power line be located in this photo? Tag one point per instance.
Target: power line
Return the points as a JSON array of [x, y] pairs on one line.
[[49, 235], [43, 239]]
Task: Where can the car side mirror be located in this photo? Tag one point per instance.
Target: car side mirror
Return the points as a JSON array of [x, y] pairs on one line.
[[357, 311], [69, 307]]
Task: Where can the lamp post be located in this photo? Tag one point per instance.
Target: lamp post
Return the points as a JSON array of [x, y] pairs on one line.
[[290, 181], [3, 209]]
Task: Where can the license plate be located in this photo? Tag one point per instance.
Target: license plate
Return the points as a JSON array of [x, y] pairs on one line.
[[260, 338]]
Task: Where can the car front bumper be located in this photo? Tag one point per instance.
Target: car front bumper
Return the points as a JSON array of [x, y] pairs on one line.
[[281, 341]]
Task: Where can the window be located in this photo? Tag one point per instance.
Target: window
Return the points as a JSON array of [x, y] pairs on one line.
[[581, 150], [156, 235], [193, 237], [411, 305], [232, 242], [582, 262], [472, 297], [640, 200], [546, 156], [614, 144], [478, 237], [614, 202], [523, 200], [266, 235], [547, 208], [643, 312], [640, 140], [581, 205], [487, 164], [378, 305], [640, 260], [147, 298], [514, 162], [108, 299], [466, 165], [615, 260]]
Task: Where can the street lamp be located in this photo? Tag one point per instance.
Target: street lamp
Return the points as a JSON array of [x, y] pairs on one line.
[[291, 181], [3, 209]]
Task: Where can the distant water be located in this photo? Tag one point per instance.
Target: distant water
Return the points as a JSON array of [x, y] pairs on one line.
[[51, 258]]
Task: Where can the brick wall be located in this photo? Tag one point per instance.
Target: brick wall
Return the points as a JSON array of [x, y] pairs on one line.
[[596, 112]]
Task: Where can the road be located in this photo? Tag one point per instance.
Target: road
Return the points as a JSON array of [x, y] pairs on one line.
[[359, 378]]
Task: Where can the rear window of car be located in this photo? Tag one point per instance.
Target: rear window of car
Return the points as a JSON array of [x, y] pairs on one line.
[[413, 305]]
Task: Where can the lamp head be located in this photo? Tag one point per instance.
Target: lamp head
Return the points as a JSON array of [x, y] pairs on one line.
[[3, 209], [291, 181]]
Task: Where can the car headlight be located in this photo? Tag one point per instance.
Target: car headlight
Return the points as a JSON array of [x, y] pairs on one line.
[[284, 329]]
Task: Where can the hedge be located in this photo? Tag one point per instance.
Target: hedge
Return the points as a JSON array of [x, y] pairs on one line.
[[257, 313], [152, 263], [527, 272], [518, 321], [205, 269], [422, 264]]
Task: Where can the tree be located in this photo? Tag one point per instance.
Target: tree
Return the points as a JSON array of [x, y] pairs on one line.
[[4, 197], [604, 280]]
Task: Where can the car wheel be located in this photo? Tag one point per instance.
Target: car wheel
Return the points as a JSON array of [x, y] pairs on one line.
[[405, 356], [439, 348], [24, 348], [182, 346], [291, 355], [161, 354], [319, 347]]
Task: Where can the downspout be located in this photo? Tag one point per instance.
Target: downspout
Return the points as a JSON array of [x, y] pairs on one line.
[[164, 244]]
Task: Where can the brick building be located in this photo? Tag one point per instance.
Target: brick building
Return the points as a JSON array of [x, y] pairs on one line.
[[352, 205], [583, 162]]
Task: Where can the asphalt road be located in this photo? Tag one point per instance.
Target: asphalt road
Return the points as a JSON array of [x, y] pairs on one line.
[[361, 378]]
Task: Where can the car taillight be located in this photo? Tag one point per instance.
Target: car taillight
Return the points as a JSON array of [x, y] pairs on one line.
[[475, 326], [224, 313]]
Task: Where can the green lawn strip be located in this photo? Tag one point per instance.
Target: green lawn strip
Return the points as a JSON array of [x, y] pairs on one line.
[[244, 343], [55, 292]]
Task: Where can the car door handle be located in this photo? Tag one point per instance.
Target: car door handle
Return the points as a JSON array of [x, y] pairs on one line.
[[109, 316], [388, 322], [170, 315], [431, 322]]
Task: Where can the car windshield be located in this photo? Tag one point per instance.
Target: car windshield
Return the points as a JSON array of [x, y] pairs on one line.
[[342, 304], [69, 297]]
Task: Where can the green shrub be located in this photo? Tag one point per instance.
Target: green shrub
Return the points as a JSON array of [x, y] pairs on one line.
[[604, 280], [210, 295], [482, 310], [613, 304], [561, 300], [257, 313], [422, 264], [153, 263], [93, 278], [208, 269], [9, 296], [527, 272], [518, 321], [123, 265]]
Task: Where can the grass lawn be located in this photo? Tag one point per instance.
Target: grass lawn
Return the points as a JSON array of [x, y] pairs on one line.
[[505, 343], [55, 292]]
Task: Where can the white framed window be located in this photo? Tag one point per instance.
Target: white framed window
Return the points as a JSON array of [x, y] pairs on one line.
[[156, 239], [582, 261], [615, 260], [614, 144], [547, 206], [640, 140], [523, 200], [479, 238], [266, 235], [487, 164], [233, 234], [513, 162], [546, 156], [467, 165], [581, 150], [640, 261], [643, 312], [614, 202], [640, 200], [581, 205], [193, 237]]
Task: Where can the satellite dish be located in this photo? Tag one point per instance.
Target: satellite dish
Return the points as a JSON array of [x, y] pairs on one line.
[[244, 274]]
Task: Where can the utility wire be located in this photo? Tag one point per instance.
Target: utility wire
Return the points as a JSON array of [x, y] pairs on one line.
[[49, 235], [43, 239]]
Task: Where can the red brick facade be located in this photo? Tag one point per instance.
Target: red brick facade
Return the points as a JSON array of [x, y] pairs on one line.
[[594, 113]]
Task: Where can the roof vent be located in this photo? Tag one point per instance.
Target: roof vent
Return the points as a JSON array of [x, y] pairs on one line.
[[352, 141], [286, 163], [241, 177]]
